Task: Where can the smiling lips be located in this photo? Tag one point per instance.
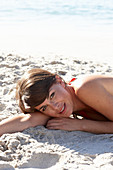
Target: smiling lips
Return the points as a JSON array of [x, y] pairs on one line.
[[63, 109]]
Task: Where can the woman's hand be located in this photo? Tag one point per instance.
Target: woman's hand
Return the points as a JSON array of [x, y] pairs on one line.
[[68, 124]]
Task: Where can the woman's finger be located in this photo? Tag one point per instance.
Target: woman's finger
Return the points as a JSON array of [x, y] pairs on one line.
[[54, 127], [55, 120], [53, 124]]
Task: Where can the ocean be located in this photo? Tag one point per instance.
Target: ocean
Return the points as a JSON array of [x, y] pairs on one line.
[[76, 13]]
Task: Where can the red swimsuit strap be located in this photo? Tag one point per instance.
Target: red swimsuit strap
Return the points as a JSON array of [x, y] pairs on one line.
[[73, 79]]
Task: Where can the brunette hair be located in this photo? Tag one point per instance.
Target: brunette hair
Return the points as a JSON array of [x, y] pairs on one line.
[[33, 88]]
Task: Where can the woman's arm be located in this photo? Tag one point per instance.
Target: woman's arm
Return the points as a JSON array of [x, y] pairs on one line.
[[21, 122], [69, 124], [98, 127]]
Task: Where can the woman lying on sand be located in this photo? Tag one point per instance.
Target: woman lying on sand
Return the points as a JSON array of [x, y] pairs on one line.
[[47, 100]]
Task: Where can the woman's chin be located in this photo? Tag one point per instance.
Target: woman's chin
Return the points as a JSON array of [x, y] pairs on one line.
[[68, 114]]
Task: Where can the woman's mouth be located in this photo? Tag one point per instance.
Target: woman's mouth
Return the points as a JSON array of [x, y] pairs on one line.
[[63, 109]]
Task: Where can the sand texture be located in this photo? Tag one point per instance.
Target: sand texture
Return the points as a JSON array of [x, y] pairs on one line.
[[40, 148]]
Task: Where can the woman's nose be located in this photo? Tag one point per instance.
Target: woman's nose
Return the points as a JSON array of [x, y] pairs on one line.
[[55, 105]]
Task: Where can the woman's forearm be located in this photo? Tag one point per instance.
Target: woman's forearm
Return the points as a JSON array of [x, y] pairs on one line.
[[14, 124], [70, 124], [98, 127], [22, 122]]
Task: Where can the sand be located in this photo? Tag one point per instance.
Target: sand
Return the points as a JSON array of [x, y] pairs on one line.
[[38, 147]]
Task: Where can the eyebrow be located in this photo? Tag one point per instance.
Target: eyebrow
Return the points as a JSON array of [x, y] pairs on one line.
[[50, 89]]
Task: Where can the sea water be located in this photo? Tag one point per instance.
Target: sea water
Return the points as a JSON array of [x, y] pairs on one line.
[[57, 13]]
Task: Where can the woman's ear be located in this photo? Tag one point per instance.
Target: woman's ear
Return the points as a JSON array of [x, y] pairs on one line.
[[59, 80]]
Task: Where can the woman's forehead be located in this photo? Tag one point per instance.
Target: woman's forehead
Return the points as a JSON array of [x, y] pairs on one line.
[[55, 86]]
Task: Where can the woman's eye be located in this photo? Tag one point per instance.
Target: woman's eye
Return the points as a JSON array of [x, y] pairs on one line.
[[44, 108], [52, 95]]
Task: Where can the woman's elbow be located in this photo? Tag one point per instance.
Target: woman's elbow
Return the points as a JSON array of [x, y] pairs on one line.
[[37, 119]]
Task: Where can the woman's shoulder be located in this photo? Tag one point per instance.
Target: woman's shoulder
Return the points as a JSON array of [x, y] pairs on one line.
[[84, 82]]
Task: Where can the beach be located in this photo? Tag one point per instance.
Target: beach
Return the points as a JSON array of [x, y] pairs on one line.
[[38, 147]]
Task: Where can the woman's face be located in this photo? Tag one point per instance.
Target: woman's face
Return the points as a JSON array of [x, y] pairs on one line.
[[59, 103]]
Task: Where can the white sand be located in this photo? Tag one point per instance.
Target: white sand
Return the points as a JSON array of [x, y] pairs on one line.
[[89, 43], [40, 148]]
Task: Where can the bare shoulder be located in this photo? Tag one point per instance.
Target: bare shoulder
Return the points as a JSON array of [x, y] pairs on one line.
[[93, 82]]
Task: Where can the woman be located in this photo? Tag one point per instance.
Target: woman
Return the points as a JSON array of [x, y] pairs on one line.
[[47, 100]]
